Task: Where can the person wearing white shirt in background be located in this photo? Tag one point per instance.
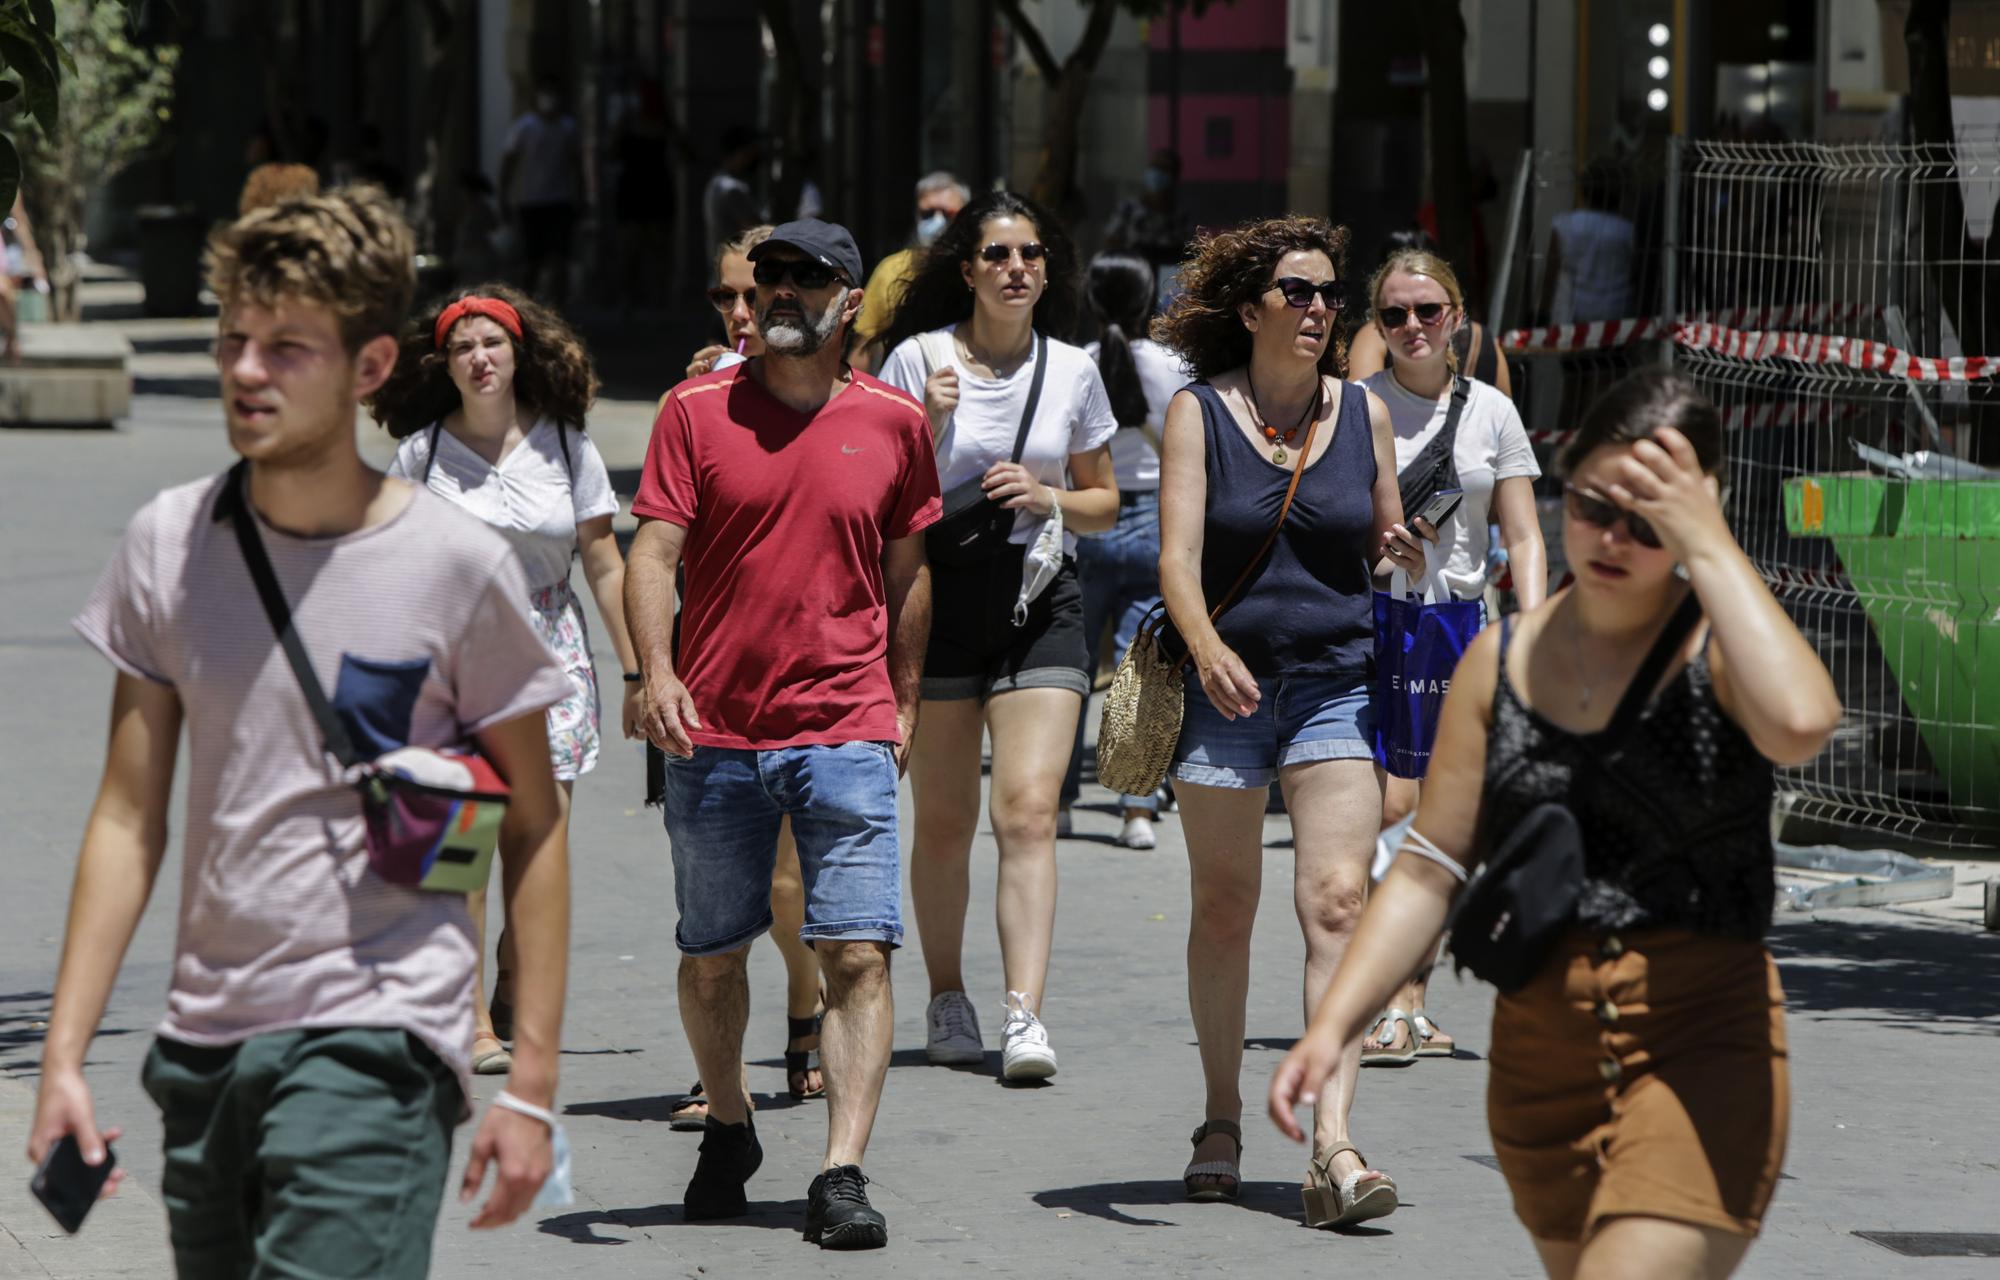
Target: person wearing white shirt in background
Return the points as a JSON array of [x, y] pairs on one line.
[[1417, 308], [964, 340], [1120, 568], [488, 399]]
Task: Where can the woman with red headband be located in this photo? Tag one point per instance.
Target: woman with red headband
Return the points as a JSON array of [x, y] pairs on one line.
[[488, 398]]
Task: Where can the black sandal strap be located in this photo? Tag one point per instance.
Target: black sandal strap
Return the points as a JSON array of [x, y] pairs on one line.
[[1228, 1128], [800, 1028]]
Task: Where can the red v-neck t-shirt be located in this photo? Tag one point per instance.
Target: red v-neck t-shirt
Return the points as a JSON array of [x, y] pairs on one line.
[[784, 616]]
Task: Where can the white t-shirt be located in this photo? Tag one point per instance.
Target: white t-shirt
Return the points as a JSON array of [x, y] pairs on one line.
[[545, 155], [1074, 416], [529, 497], [1491, 446], [1161, 374]]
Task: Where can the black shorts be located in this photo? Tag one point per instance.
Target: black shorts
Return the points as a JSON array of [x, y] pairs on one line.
[[976, 650]]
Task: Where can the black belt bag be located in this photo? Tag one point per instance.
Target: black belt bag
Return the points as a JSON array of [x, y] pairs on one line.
[[974, 528]]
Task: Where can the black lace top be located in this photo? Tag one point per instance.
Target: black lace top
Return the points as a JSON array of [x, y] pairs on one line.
[[1676, 820]]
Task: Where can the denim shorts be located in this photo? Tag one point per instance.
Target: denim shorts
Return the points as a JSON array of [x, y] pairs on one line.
[[723, 809], [1299, 720]]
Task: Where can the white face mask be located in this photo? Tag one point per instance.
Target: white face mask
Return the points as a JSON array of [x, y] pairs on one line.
[[931, 226]]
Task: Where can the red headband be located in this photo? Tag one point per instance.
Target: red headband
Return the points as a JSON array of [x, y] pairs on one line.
[[492, 308]]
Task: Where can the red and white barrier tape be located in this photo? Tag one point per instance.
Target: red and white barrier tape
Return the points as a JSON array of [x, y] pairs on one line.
[[1754, 344]]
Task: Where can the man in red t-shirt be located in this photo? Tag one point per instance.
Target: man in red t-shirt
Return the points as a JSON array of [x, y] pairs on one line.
[[794, 492]]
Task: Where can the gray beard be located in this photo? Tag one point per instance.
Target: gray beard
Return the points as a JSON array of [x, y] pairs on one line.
[[787, 336]]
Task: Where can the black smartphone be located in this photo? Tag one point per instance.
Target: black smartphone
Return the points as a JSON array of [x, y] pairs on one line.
[[66, 1186], [1441, 507]]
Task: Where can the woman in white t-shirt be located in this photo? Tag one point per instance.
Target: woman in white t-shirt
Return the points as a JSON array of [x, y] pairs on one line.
[[488, 398], [1417, 308], [1120, 568], [1006, 654]]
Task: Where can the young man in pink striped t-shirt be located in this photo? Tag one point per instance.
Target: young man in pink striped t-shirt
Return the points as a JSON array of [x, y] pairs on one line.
[[311, 1065]]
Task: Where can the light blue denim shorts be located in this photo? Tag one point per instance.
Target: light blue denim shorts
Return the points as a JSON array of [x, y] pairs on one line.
[[1299, 720], [723, 808]]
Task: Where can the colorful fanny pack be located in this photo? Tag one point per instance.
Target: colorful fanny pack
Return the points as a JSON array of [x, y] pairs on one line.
[[433, 817]]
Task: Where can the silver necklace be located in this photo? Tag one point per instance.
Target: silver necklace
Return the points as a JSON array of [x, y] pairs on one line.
[[1583, 680]]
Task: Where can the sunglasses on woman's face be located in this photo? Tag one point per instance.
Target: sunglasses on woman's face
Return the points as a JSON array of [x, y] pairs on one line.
[[1031, 252], [1299, 292], [1429, 315], [1588, 508], [723, 298], [804, 273]]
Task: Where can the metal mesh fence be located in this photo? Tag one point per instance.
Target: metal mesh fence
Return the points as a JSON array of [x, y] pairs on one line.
[[1835, 302], [1809, 276]]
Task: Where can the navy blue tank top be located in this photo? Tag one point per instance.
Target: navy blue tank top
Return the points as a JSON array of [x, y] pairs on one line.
[[1310, 607]]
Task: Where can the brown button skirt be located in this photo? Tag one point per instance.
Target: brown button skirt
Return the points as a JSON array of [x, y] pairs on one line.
[[1642, 1074]]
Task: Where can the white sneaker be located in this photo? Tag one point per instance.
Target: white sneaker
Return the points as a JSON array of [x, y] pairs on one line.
[[1138, 833], [1024, 1043], [953, 1031]]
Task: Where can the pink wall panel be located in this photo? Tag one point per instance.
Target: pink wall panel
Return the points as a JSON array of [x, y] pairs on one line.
[[1246, 24], [1259, 129]]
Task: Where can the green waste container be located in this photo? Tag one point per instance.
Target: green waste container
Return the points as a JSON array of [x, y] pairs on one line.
[[1924, 557]]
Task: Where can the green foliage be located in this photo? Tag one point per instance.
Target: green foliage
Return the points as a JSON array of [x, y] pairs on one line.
[[36, 51]]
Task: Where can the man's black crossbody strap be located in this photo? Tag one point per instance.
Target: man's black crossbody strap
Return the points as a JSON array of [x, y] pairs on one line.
[[234, 506], [1034, 395]]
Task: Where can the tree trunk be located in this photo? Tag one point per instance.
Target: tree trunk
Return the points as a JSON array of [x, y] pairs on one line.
[[1443, 26], [1968, 288], [1055, 183]]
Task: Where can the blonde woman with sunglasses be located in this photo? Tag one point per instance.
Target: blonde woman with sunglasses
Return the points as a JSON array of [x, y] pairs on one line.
[[1417, 309]]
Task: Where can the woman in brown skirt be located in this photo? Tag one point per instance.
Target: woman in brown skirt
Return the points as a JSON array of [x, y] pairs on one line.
[[1638, 1097]]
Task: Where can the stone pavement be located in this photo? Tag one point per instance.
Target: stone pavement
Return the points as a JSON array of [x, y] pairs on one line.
[[1895, 1026]]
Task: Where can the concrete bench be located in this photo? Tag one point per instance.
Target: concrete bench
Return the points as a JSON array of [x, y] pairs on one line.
[[69, 375]]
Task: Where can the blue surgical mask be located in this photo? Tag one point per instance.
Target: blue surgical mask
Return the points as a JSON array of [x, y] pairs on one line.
[[931, 226], [1158, 180]]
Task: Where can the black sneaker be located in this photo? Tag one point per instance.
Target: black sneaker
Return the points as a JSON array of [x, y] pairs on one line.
[[730, 1153], [838, 1215]]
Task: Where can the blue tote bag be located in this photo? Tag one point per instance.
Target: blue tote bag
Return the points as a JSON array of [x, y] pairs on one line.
[[1418, 643]]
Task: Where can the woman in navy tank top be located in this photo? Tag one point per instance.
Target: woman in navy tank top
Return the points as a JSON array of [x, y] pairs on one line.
[[1278, 683]]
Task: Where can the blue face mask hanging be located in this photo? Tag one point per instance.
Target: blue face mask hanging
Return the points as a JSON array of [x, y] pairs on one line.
[[930, 227]]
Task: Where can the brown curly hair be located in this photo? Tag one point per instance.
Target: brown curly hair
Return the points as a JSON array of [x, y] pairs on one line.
[[348, 250], [552, 371], [1230, 268]]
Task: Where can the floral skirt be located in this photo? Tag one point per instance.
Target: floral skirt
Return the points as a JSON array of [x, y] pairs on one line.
[[573, 722]]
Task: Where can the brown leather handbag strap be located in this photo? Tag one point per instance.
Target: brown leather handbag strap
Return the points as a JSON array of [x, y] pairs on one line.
[[1243, 578]]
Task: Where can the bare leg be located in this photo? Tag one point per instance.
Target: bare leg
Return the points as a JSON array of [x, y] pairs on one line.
[[1225, 842], [484, 1038], [715, 1007], [788, 914], [1032, 734], [1336, 806], [1559, 1257], [860, 1033], [944, 781], [1399, 801], [1656, 1249]]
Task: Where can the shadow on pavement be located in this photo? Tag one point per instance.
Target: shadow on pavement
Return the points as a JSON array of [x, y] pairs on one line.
[[578, 1228], [659, 1107], [1941, 981], [1104, 1200]]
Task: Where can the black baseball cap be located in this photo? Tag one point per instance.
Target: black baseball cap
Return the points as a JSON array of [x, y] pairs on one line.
[[823, 242]]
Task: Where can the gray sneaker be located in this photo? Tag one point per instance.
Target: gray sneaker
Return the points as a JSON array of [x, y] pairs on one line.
[[953, 1031]]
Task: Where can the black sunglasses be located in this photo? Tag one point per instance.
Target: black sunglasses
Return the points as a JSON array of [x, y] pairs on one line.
[[1587, 508], [1428, 315], [1299, 292], [1033, 251], [723, 298], [803, 273]]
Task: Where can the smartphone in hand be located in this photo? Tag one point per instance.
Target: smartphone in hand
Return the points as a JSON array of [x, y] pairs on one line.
[[1442, 506], [66, 1186]]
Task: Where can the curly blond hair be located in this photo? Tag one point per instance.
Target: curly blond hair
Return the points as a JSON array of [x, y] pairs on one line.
[[270, 183], [348, 250]]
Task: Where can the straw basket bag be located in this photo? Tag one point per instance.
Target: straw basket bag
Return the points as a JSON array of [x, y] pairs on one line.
[[1141, 724]]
